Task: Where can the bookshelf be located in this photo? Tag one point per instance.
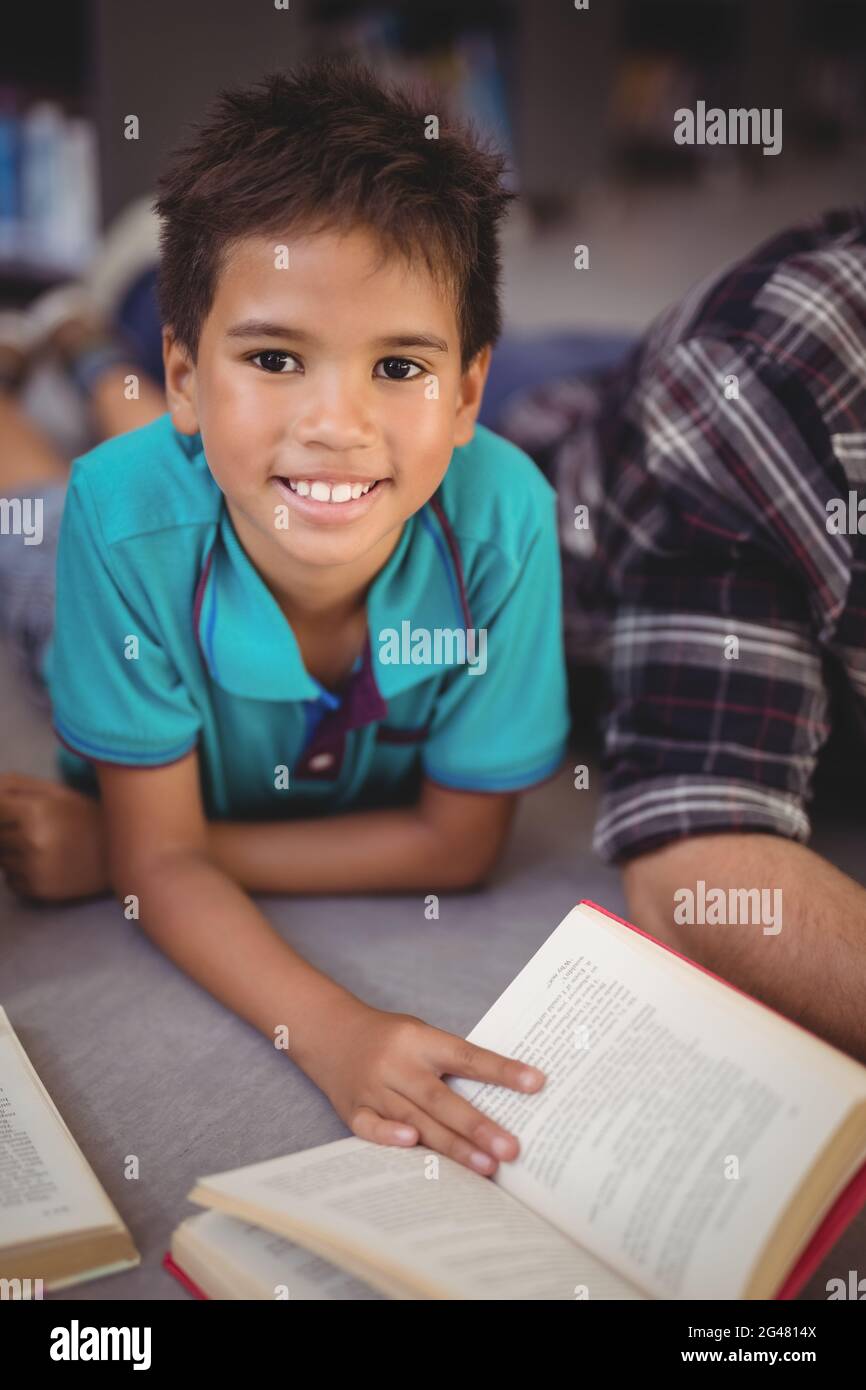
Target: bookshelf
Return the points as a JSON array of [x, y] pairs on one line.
[[49, 195], [572, 97]]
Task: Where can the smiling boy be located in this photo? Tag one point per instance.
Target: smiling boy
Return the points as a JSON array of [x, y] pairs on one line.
[[329, 286]]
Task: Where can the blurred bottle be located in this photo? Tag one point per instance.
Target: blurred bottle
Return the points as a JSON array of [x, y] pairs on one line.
[[59, 220], [41, 143], [77, 225]]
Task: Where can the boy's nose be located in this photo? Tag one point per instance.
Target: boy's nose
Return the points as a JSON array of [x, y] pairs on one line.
[[336, 414]]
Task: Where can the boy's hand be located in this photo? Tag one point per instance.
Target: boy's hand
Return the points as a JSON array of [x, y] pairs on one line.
[[52, 843], [383, 1074]]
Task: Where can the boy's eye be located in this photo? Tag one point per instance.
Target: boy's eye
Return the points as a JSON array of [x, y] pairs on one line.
[[402, 367], [273, 361]]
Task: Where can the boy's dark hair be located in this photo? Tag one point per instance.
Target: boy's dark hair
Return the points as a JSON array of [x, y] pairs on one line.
[[328, 146]]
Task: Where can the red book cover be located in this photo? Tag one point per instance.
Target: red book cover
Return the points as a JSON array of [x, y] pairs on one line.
[[175, 1269]]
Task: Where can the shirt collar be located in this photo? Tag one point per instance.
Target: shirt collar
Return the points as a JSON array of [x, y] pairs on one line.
[[248, 644]]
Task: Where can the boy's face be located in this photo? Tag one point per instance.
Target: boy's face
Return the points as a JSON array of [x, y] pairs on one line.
[[311, 384]]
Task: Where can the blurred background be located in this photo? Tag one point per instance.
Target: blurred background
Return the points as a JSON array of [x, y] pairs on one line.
[[581, 101]]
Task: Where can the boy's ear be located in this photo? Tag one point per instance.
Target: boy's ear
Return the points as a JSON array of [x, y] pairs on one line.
[[470, 395], [179, 385]]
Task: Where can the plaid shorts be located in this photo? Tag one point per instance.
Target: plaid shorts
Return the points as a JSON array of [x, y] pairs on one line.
[[29, 527]]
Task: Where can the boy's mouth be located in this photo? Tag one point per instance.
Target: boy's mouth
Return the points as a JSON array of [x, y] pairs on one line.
[[324, 490], [331, 499]]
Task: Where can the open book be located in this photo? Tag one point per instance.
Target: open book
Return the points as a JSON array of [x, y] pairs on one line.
[[57, 1224], [689, 1142]]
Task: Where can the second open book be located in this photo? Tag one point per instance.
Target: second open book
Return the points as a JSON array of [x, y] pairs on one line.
[[689, 1143]]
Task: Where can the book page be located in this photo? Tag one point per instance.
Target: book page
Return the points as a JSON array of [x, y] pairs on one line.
[[677, 1118], [46, 1186], [271, 1260], [424, 1218]]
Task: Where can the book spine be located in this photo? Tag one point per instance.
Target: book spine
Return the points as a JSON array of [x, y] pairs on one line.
[[174, 1268]]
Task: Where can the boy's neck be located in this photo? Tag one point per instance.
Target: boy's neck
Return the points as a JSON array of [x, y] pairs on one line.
[[320, 598], [312, 594]]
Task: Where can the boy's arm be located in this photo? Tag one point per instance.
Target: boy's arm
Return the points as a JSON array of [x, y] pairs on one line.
[[157, 848], [383, 1072], [448, 839]]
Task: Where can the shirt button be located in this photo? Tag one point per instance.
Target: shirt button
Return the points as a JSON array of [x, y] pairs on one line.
[[321, 761]]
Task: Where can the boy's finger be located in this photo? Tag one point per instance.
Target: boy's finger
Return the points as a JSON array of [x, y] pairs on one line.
[[368, 1125], [14, 804], [16, 881], [455, 1113], [17, 782], [442, 1139], [12, 826], [461, 1058]]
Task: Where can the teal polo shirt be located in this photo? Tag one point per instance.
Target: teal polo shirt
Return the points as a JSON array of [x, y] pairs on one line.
[[166, 639]]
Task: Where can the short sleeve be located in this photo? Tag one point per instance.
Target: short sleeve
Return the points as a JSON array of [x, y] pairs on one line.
[[502, 724], [695, 747], [116, 696], [725, 587]]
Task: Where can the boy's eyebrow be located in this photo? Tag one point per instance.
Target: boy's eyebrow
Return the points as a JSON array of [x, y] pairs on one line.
[[263, 328], [410, 340]]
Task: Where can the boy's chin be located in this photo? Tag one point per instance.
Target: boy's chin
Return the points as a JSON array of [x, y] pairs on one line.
[[320, 551]]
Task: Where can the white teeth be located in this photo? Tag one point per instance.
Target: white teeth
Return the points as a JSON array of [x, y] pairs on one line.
[[323, 492]]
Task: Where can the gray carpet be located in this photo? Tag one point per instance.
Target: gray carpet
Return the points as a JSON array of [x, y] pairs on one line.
[[139, 1060]]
